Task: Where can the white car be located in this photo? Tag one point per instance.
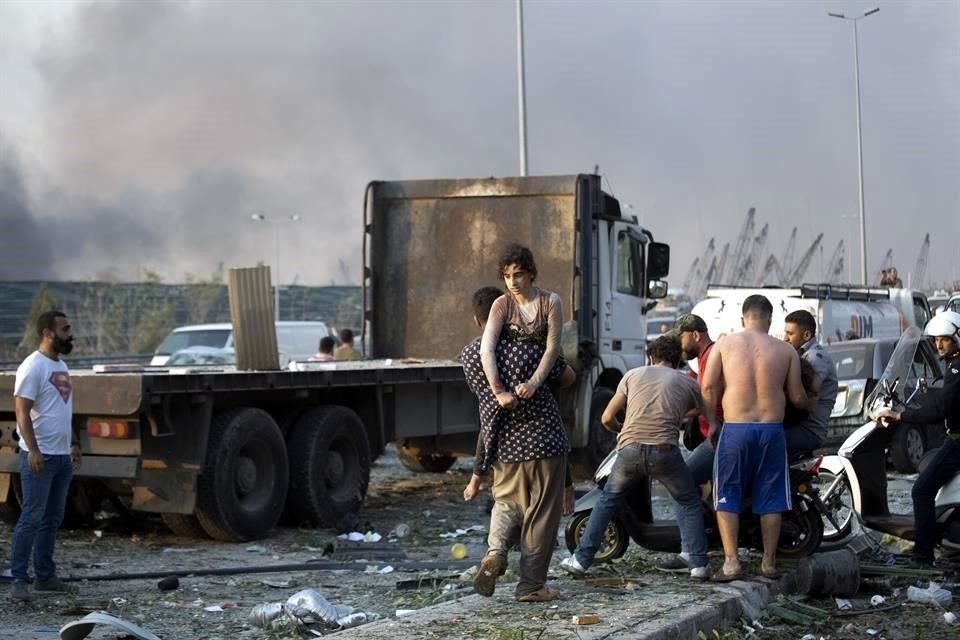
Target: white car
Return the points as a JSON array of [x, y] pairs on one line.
[[296, 340]]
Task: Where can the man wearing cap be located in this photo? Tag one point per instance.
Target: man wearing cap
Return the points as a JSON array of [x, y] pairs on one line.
[[691, 330]]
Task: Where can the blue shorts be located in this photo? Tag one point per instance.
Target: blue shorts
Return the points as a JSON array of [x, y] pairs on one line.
[[751, 460]]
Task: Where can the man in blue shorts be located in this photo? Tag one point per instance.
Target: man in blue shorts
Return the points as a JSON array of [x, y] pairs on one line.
[[753, 375]]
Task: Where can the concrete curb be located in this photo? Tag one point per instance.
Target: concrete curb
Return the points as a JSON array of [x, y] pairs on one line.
[[662, 610]]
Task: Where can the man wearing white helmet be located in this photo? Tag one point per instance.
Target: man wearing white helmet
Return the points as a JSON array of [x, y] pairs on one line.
[[944, 328]]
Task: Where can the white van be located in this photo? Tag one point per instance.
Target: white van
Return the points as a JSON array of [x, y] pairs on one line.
[[296, 340], [839, 311]]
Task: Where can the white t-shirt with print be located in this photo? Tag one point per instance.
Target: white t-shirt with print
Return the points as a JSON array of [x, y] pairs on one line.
[[47, 383]]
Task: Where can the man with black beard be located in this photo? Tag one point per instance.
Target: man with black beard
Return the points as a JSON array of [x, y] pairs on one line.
[[43, 400]]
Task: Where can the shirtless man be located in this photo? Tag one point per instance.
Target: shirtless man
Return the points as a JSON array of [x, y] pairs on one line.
[[753, 374]]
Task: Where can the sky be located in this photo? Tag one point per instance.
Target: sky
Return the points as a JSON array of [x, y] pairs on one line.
[[143, 136]]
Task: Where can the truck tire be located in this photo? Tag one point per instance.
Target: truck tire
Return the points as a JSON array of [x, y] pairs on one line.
[[907, 447], [243, 486], [185, 525], [415, 460], [329, 466], [10, 506], [584, 462]]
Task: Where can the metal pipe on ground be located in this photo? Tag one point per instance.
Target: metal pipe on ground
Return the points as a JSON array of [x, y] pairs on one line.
[[278, 568]]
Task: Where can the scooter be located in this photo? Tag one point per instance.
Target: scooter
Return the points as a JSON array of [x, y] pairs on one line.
[[800, 533], [854, 482]]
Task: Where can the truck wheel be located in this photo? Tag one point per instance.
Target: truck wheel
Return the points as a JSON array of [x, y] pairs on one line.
[[907, 448], [185, 525], [415, 460], [584, 462], [243, 486], [329, 466], [10, 506]]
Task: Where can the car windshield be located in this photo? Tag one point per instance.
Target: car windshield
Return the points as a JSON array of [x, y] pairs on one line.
[[200, 338]]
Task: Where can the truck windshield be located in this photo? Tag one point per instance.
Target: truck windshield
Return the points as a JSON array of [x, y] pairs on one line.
[[183, 339]]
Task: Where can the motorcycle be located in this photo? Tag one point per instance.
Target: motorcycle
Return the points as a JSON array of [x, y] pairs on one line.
[[854, 482], [800, 533]]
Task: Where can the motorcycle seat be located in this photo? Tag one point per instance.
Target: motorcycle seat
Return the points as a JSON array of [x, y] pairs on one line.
[[800, 455]]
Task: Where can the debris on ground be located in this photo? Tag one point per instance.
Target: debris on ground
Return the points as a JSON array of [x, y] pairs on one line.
[[305, 608]]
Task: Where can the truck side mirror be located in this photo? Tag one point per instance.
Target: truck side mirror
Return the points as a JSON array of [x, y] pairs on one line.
[[658, 260], [657, 289]]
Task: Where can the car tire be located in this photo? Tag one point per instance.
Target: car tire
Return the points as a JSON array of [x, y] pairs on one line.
[[907, 447]]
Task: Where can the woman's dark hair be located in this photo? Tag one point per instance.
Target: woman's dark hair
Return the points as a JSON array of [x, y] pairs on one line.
[[327, 343], [520, 256]]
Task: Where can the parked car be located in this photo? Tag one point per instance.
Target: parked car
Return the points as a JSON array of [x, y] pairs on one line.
[[296, 340], [860, 364], [659, 324]]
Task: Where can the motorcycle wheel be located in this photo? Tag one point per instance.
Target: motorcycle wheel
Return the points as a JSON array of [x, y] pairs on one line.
[[839, 505], [800, 533], [615, 538]]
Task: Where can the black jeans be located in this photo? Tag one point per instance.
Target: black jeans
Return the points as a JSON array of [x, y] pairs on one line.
[[944, 465]]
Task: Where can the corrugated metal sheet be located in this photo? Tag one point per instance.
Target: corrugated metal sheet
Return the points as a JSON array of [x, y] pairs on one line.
[[252, 314]]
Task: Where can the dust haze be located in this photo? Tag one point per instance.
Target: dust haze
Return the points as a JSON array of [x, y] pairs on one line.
[[162, 127]]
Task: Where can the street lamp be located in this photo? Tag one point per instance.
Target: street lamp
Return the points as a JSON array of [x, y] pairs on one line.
[[260, 217], [521, 91], [856, 76]]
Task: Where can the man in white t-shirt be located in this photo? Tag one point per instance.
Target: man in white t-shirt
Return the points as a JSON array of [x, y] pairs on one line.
[[43, 399]]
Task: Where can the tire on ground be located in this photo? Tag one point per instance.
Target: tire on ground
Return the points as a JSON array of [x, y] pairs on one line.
[[584, 462], [907, 447], [185, 525], [329, 466], [416, 460], [241, 492]]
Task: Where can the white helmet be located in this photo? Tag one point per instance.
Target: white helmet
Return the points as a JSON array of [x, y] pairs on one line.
[[945, 323]]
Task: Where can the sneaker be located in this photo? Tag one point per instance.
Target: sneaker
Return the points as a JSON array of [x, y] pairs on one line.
[[674, 564], [573, 567], [700, 573], [20, 590], [53, 585], [491, 567]]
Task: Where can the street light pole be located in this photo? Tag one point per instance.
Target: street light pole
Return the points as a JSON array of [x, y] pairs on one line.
[[856, 76], [259, 217], [521, 91]]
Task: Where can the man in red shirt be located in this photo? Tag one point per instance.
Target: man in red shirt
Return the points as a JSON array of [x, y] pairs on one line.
[[695, 342]]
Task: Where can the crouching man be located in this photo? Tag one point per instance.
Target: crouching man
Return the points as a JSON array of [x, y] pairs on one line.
[[656, 399]]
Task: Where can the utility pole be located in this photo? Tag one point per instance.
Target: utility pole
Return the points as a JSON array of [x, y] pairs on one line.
[[856, 77], [521, 91]]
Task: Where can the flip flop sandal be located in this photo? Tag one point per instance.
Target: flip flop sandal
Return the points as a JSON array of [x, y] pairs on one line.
[[772, 575], [720, 576], [540, 595]]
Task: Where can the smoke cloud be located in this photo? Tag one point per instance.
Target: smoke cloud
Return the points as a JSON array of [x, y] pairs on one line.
[[164, 126]]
